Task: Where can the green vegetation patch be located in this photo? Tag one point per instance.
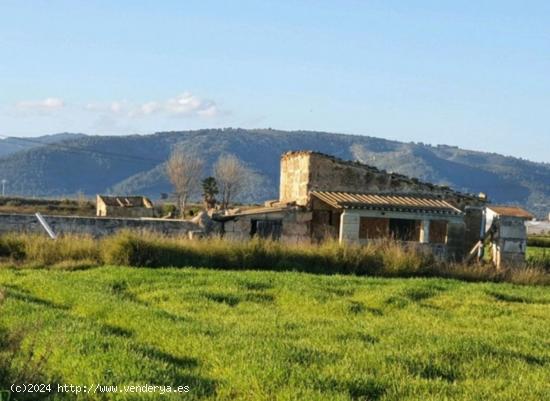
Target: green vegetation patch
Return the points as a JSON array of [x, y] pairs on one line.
[[252, 335]]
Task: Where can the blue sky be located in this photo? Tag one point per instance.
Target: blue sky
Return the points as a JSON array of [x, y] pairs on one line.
[[472, 74]]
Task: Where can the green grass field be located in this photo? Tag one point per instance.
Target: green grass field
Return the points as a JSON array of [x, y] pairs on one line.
[[538, 251], [281, 336]]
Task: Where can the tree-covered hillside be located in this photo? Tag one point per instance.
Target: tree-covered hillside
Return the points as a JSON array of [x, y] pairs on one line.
[[9, 145], [135, 164]]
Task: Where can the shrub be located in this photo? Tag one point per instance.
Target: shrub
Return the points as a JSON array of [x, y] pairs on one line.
[[168, 209], [12, 246]]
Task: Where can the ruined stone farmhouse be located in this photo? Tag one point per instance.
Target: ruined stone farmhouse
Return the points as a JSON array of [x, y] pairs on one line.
[[123, 206], [324, 197]]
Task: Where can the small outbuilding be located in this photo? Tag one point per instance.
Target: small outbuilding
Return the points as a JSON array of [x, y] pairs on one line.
[[508, 234], [124, 206], [364, 217]]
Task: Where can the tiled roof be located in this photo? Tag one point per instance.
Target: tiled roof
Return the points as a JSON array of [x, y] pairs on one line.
[[350, 200], [511, 211]]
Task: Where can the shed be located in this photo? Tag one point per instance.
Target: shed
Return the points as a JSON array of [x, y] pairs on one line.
[[363, 217], [508, 234]]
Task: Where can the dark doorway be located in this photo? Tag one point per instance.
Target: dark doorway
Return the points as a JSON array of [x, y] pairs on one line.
[[405, 230], [268, 229], [373, 227]]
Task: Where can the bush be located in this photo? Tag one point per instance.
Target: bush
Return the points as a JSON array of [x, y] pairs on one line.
[[12, 246], [168, 209]]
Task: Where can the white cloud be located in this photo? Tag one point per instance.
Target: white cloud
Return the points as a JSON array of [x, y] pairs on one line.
[[188, 104], [146, 109], [184, 105], [50, 103], [117, 107]]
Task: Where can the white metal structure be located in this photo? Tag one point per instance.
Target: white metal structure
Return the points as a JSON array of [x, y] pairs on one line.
[[46, 226]]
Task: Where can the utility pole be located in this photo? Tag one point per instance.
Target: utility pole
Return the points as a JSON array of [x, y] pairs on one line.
[[4, 187]]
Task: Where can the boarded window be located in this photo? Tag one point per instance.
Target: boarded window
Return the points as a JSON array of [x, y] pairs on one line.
[[268, 229], [438, 231], [404, 229], [373, 227]]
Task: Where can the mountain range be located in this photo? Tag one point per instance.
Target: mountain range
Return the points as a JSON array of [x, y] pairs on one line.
[[66, 164]]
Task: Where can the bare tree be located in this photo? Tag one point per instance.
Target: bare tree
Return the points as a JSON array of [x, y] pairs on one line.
[[184, 171], [233, 178]]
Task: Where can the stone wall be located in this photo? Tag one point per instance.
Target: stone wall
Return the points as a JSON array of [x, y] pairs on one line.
[[295, 177], [295, 225], [95, 226], [130, 212], [305, 171]]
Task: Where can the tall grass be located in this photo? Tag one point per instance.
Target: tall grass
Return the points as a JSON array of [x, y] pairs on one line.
[[37, 250], [150, 250], [539, 241], [539, 257], [144, 249]]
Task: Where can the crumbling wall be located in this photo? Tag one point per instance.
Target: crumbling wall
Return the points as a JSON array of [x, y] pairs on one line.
[[305, 171], [131, 212], [96, 227], [295, 177], [295, 226]]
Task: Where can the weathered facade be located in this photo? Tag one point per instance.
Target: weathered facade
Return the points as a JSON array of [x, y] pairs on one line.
[[508, 234], [303, 172], [124, 206], [324, 197], [360, 218], [290, 224]]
